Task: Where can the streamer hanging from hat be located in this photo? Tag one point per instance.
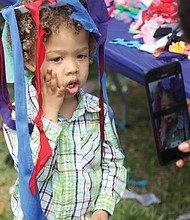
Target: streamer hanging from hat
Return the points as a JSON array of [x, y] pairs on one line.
[[27, 171], [25, 165], [8, 2]]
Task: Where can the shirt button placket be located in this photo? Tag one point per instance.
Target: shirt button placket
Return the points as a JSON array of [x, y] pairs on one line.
[[69, 184], [68, 159], [67, 208]]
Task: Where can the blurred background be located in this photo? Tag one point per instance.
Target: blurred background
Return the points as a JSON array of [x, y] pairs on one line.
[[168, 184]]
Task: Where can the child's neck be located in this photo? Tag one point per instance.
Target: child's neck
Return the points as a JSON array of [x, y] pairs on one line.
[[68, 107]]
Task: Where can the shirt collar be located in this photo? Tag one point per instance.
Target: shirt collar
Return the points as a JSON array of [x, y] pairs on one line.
[[86, 103]]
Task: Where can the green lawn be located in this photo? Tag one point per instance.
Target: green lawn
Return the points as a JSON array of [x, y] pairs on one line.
[[170, 184]]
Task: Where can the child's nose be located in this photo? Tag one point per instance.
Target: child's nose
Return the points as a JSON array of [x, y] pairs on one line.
[[71, 66]]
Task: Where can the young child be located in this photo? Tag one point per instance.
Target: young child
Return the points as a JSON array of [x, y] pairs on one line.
[[171, 131], [76, 182], [172, 124]]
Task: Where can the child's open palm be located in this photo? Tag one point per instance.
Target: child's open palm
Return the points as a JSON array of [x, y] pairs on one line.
[[52, 94]]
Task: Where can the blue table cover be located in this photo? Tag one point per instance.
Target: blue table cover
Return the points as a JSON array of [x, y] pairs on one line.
[[132, 62]]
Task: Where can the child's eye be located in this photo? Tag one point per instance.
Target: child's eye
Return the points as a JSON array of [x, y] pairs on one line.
[[82, 56], [57, 59]]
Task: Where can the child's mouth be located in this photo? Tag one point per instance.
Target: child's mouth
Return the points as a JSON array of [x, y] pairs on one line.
[[72, 88], [72, 85]]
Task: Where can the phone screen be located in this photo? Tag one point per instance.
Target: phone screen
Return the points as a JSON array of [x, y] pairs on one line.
[[168, 108]]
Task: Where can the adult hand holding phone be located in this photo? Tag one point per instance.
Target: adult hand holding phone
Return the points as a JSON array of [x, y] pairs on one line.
[[185, 146], [168, 111]]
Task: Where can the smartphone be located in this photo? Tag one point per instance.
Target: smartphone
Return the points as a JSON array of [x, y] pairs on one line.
[[168, 110]]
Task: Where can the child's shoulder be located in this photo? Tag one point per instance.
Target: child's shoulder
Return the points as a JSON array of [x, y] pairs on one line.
[[91, 97], [92, 100]]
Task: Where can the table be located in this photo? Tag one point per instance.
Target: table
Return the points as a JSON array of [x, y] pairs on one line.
[[132, 62]]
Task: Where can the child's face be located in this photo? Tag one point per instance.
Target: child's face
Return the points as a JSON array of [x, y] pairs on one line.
[[167, 101], [67, 54]]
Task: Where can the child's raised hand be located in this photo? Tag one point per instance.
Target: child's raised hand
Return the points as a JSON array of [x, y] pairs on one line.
[[163, 126], [52, 94]]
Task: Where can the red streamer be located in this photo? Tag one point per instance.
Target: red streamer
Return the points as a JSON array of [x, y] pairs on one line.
[[45, 149]]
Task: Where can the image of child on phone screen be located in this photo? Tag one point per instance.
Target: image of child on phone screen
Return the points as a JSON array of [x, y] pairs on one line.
[[172, 121]]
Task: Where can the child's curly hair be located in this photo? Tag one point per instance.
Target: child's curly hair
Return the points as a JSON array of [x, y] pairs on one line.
[[51, 19]]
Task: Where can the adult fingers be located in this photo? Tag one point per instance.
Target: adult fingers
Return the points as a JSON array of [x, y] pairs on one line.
[[180, 163], [184, 146]]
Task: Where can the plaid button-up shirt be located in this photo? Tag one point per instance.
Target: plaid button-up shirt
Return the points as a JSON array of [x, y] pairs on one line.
[[72, 183]]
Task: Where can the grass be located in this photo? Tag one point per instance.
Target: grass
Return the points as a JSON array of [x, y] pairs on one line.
[[169, 183]]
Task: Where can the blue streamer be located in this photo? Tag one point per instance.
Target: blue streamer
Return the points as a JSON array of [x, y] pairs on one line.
[[82, 16], [8, 2], [110, 111], [30, 204]]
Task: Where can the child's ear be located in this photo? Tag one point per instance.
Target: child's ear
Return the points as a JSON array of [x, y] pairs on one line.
[[31, 66]]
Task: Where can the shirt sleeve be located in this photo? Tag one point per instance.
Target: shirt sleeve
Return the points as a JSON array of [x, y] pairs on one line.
[[52, 131], [113, 170]]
